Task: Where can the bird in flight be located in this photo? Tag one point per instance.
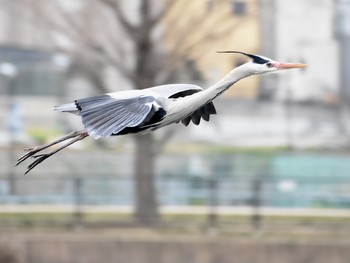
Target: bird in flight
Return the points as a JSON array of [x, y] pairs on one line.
[[135, 111]]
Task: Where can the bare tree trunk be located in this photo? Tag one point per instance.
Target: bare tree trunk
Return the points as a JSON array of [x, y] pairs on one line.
[[146, 207], [146, 212]]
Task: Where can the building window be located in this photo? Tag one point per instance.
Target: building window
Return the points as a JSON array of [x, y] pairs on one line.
[[239, 8]]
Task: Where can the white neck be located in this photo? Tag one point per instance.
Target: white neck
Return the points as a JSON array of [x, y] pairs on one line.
[[181, 108], [231, 78]]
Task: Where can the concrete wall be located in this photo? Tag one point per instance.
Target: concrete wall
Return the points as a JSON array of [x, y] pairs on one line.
[[184, 250]]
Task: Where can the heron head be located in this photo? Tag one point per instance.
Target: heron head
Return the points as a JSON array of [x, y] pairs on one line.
[[262, 65]]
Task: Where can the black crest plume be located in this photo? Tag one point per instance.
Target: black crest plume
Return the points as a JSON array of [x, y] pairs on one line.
[[255, 58]]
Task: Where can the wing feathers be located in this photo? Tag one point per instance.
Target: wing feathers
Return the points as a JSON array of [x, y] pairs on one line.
[[103, 116], [205, 116], [196, 117], [106, 115], [210, 108], [186, 121], [69, 107], [204, 112]]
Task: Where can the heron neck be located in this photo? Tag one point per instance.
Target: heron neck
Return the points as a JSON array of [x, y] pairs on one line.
[[231, 78], [183, 107]]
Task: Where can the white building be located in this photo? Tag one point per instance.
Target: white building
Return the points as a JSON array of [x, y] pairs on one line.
[[302, 31]]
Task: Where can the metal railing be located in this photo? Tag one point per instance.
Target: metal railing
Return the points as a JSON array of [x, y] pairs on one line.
[[208, 198]]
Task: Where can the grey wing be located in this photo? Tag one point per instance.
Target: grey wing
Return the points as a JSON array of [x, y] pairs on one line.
[[103, 115], [69, 107]]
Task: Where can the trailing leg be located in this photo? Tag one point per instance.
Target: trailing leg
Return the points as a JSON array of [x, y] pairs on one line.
[[32, 152]]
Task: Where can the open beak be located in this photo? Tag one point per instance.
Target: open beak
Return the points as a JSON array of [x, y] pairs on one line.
[[282, 65]]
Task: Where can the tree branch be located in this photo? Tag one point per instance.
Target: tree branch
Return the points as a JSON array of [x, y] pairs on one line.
[[168, 5], [114, 6]]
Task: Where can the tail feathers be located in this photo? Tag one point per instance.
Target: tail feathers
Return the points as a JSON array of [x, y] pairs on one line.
[[69, 107]]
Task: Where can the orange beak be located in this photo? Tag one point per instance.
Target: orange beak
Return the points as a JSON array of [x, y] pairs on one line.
[[282, 65]]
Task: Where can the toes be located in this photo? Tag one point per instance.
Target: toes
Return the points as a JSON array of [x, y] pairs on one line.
[[39, 155], [22, 158], [39, 159], [29, 149], [30, 152]]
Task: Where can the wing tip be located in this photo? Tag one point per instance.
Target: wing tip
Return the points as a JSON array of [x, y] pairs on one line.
[[69, 107]]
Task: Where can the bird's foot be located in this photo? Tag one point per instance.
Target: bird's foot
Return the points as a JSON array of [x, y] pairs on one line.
[[38, 159], [33, 152], [30, 152]]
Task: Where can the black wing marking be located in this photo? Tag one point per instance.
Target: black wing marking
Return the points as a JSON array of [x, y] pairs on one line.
[[91, 102], [184, 93], [104, 116], [155, 116], [202, 113], [186, 121]]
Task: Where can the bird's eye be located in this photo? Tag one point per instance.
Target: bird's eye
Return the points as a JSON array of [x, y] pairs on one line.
[[269, 64]]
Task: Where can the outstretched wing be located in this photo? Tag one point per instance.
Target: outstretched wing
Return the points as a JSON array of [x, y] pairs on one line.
[[104, 116], [170, 90], [202, 113]]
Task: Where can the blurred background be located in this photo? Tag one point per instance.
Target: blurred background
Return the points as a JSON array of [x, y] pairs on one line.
[[266, 180]]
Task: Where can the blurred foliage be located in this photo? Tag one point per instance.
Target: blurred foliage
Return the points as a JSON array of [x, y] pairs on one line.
[[42, 136]]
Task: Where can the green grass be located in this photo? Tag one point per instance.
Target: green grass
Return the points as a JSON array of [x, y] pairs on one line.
[[187, 220], [58, 219], [296, 228]]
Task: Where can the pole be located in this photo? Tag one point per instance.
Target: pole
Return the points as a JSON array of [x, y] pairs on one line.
[[256, 203], [342, 33], [213, 203], [78, 198], [268, 41], [8, 72], [11, 151]]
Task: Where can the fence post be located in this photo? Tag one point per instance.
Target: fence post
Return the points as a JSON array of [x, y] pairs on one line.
[[78, 202], [213, 203], [256, 203]]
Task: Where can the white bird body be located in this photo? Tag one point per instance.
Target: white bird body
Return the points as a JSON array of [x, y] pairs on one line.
[[158, 92], [159, 98], [135, 111], [163, 97]]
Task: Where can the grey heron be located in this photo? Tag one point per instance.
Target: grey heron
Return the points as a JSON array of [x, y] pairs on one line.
[[135, 111]]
